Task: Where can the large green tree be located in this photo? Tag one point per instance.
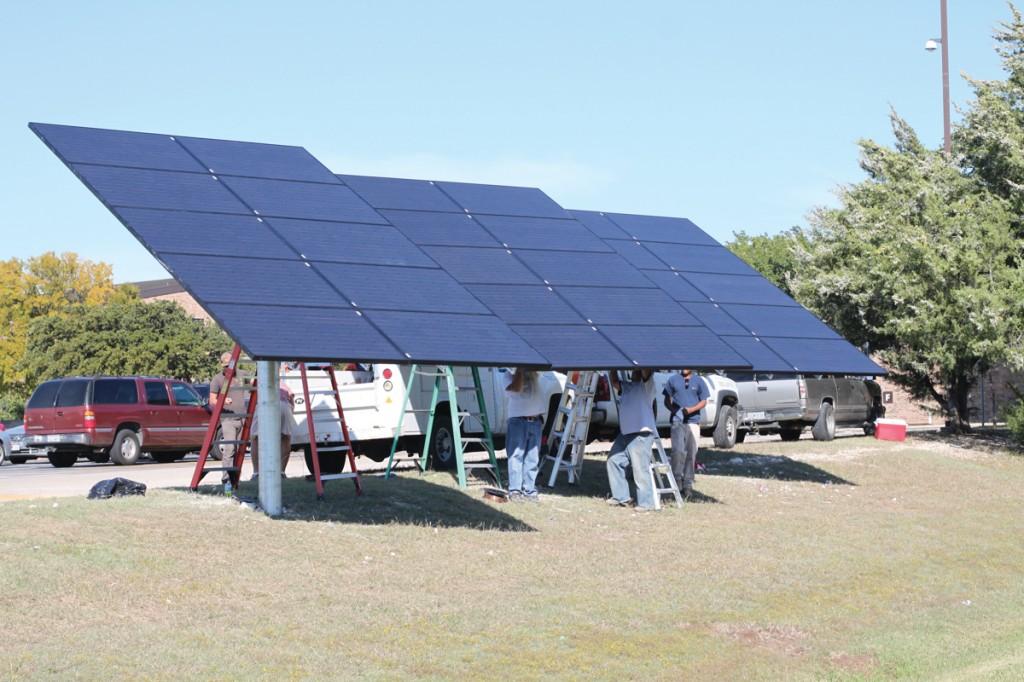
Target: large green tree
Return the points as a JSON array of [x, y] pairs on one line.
[[124, 338], [774, 256], [921, 262]]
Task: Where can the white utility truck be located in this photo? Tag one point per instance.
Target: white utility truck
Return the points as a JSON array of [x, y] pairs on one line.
[[372, 397]]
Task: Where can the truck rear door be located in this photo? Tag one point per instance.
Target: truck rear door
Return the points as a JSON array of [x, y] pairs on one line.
[[69, 412], [780, 392], [40, 410], [853, 403]]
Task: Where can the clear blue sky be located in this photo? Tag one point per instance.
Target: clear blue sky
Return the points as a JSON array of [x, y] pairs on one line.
[[738, 115]]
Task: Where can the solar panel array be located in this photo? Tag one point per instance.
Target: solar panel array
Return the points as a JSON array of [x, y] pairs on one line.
[[298, 263]]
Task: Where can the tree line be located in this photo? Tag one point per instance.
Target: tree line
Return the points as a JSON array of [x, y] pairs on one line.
[[922, 261]]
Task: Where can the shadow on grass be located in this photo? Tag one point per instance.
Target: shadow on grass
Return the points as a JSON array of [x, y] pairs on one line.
[[755, 465], [408, 499], [593, 482], [996, 440]]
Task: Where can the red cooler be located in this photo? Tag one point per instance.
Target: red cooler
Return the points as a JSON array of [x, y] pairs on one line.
[[891, 429]]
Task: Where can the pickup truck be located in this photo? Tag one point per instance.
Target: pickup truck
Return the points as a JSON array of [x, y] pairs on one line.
[[787, 403], [719, 418]]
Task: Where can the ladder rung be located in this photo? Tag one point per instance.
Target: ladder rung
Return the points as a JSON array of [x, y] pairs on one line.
[[430, 374], [336, 477], [465, 388], [207, 470], [476, 440], [477, 465], [230, 442], [417, 410], [324, 392], [232, 415], [338, 448]]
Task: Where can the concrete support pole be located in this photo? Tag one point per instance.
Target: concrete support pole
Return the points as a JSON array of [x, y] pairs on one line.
[[269, 410]]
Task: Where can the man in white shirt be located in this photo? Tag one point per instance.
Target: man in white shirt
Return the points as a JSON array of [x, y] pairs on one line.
[[632, 447], [527, 405]]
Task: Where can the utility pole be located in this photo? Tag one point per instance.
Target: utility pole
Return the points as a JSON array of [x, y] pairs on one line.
[[947, 140]]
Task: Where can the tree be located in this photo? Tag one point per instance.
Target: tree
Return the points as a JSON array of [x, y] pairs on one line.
[[921, 262], [124, 338], [45, 285], [773, 256]]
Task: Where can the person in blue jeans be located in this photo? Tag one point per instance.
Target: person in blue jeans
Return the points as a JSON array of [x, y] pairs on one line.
[[527, 406], [632, 447]]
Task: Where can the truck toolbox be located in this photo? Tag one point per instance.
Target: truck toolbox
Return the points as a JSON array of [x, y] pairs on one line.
[[890, 429]]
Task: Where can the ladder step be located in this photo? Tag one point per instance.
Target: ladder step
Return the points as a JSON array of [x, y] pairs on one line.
[[230, 442], [339, 448], [324, 392], [476, 440], [465, 388], [207, 470], [477, 465], [337, 477]]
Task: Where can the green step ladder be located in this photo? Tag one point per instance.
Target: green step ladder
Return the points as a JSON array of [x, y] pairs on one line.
[[444, 378]]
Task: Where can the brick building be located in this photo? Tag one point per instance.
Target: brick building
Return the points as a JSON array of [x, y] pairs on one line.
[[170, 290]]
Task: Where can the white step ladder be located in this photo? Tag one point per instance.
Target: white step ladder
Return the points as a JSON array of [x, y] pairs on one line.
[[663, 481], [570, 427]]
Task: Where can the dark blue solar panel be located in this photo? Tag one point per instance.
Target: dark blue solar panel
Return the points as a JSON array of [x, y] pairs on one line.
[[258, 160], [525, 304], [675, 285], [611, 305], [542, 233], [215, 279], [739, 289], [499, 200], [695, 258], [455, 339], [350, 242], [159, 189], [116, 148], [599, 224], [663, 346], [758, 354], [440, 229], [481, 266], [780, 321], [420, 195], [297, 332], [572, 347], [401, 288], [636, 253], [303, 200], [584, 269], [204, 233], [659, 229], [714, 318], [823, 356]]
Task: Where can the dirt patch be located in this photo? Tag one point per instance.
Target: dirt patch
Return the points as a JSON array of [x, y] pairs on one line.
[[784, 639], [853, 663]]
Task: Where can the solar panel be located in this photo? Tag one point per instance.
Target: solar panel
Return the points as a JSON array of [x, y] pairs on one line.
[[226, 157], [296, 262]]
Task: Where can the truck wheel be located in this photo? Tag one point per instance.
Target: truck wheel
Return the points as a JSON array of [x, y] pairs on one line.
[[16, 459], [791, 434], [3, 454], [740, 436], [442, 440], [869, 428], [166, 457], [62, 460], [825, 427], [216, 451], [330, 462], [126, 448], [725, 430], [98, 457]]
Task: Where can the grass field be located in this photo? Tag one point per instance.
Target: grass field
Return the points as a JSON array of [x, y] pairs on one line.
[[854, 559]]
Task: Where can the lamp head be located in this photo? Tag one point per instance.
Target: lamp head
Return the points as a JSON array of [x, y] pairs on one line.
[[931, 44]]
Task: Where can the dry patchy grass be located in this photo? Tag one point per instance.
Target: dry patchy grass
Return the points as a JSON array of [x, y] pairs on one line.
[[851, 559]]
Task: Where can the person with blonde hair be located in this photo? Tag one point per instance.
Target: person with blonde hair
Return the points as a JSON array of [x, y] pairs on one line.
[[527, 406]]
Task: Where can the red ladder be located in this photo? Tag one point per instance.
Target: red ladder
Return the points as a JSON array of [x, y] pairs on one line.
[[314, 449], [234, 468]]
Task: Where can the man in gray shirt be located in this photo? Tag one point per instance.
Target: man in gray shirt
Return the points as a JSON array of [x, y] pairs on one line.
[[234, 405], [632, 447]]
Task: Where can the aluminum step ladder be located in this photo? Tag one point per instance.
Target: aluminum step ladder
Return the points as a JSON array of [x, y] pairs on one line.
[[663, 481], [210, 440], [315, 449], [444, 379], [570, 427]]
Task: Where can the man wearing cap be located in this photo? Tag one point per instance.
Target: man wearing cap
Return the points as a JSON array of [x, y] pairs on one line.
[[685, 396], [234, 405]]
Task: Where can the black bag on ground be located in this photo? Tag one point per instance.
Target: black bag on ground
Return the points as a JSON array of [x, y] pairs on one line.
[[116, 486]]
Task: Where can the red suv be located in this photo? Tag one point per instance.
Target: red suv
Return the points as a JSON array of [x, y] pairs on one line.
[[115, 418]]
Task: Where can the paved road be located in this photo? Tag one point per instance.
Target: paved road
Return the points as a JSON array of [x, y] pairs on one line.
[[37, 478]]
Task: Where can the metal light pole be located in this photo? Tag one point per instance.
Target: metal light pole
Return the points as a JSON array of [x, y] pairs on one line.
[[931, 45]]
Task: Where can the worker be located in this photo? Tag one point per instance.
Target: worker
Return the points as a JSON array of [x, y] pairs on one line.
[[234, 407], [632, 447], [527, 405], [685, 396], [287, 420]]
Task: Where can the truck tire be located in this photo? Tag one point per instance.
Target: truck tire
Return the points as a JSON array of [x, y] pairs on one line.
[[166, 457], [126, 448], [62, 460], [740, 435], [98, 457], [3, 454], [791, 433], [330, 462], [825, 427], [17, 459], [442, 440], [726, 428]]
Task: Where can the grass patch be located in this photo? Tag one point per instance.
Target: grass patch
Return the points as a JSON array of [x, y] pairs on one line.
[[855, 559]]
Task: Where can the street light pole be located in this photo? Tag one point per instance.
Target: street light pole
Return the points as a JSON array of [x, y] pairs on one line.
[[947, 140]]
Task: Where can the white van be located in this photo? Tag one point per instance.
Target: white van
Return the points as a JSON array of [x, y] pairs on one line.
[[372, 397]]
